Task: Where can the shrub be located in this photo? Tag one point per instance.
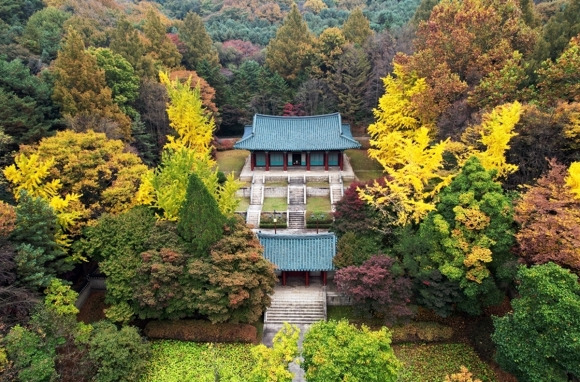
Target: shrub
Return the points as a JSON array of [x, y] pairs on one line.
[[338, 351], [201, 331]]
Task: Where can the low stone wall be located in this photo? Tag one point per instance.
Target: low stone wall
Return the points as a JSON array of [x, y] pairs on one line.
[[93, 283], [317, 191], [337, 299], [244, 192], [275, 192]]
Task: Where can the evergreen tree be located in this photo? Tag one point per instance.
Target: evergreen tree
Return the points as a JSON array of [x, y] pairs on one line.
[[126, 41], [198, 44], [201, 223], [349, 82], [160, 47], [81, 90], [39, 257], [43, 32], [288, 54], [357, 28]]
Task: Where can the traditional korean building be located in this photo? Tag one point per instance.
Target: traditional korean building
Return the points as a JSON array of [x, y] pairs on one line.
[[305, 255], [283, 142]]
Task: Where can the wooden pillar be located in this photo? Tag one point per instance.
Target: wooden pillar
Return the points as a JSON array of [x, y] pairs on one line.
[[307, 278], [267, 161], [284, 278], [253, 160], [323, 277], [285, 161], [326, 161], [341, 160], [308, 161]]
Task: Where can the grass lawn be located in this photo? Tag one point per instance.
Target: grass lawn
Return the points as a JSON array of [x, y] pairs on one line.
[[431, 362], [275, 204], [177, 361], [243, 205], [318, 204], [364, 167], [317, 184], [231, 160]]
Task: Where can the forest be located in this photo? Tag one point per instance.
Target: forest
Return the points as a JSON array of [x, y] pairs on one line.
[[112, 113]]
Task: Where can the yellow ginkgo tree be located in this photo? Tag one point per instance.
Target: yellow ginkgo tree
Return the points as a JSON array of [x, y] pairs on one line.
[[187, 152]]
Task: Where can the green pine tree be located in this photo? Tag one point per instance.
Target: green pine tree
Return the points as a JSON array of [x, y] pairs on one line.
[[200, 220], [357, 28], [197, 42], [289, 53]]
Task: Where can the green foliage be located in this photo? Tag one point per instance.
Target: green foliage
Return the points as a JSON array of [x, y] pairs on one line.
[[354, 249], [120, 78], [197, 42], [288, 53], [31, 356], [200, 220], [271, 364], [558, 31], [539, 340], [16, 12], [434, 361], [120, 354], [202, 331], [43, 32], [60, 298], [338, 351], [177, 361], [356, 28], [470, 235], [26, 112], [39, 257]]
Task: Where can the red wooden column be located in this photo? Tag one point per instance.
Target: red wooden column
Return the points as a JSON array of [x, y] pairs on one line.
[[267, 161], [308, 161], [285, 160], [253, 160], [284, 278], [326, 161], [307, 278], [340, 160], [323, 277]]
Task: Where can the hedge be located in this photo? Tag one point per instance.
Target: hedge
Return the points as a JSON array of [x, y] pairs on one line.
[[201, 331]]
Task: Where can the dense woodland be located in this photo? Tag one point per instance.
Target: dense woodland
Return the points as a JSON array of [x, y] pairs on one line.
[[109, 116]]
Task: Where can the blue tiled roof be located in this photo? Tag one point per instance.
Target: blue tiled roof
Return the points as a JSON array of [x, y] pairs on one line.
[[318, 132], [300, 252]]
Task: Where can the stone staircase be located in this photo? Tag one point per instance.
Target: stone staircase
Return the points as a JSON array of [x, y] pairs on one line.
[[257, 192], [303, 305], [295, 195], [296, 219], [336, 193], [253, 215]]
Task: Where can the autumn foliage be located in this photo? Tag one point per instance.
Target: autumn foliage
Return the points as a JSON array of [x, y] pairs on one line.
[[548, 214]]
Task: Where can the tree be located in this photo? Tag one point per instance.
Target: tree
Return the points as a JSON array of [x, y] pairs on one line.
[[357, 28], [271, 364], [81, 91], [119, 354], [197, 42], [43, 32], [547, 214], [348, 82], [338, 351], [536, 342], [160, 47], [39, 257], [288, 54], [90, 165], [126, 41], [240, 279], [27, 112], [207, 93], [201, 223], [379, 286], [559, 80], [471, 235], [120, 78]]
